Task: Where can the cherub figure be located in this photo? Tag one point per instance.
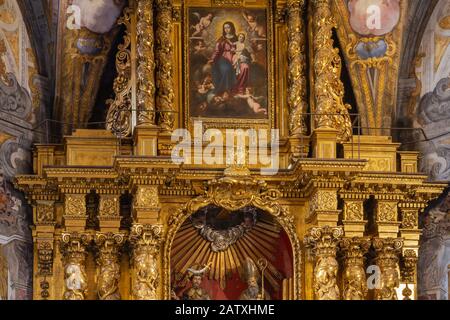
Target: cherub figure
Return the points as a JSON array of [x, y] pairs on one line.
[[202, 25], [252, 101]]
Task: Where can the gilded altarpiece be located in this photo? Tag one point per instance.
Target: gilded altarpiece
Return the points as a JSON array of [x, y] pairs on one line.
[[131, 223]]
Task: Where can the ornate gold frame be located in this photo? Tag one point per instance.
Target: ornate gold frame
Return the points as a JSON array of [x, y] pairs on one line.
[[222, 123]]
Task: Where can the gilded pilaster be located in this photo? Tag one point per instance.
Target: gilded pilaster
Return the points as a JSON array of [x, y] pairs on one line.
[[165, 96], [409, 273], [323, 244], [355, 283], [43, 233], [331, 110], [73, 248], [108, 245], [388, 250], [146, 243], [146, 63], [297, 67]]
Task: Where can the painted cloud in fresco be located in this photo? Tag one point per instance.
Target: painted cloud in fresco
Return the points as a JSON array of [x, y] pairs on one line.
[[374, 17], [99, 15]]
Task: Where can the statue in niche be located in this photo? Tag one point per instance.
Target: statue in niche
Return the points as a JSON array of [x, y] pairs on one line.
[[195, 292], [253, 291]]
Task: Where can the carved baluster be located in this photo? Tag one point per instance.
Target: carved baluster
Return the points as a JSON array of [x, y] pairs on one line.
[[165, 96], [146, 242], [328, 90], [108, 245], [409, 270], [387, 260], [73, 249], [297, 67], [355, 283], [323, 242]]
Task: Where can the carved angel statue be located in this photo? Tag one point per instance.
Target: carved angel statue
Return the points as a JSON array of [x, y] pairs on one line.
[[76, 283], [196, 292], [252, 277], [325, 285]]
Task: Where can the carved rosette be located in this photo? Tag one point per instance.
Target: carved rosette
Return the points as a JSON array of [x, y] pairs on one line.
[[331, 110], [146, 63], [323, 242], [146, 242], [388, 251], [108, 245], [355, 284], [118, 119], [165, 96], [409, 266], [297, 67], [73, 249]]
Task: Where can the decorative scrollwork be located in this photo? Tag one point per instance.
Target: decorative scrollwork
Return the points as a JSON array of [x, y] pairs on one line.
[[118, 119], [329, 90]]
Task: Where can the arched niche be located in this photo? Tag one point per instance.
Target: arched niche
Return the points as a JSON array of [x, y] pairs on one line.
[[234, 194]]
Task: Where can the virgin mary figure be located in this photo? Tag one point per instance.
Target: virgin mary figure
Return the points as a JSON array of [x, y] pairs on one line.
[[223, 72]]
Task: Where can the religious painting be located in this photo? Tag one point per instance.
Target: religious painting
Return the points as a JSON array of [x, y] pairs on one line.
[[374, 17], [227, 63]]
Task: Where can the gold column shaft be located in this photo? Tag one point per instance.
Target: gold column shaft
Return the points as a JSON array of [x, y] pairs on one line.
[[328, 88], [165, 95], [323, 242], [145, 63], [297, 66], [108, 245], [355, 283], [73, 249], [146, 241]]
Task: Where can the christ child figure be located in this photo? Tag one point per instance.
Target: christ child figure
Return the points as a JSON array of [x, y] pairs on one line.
[[238, 57]]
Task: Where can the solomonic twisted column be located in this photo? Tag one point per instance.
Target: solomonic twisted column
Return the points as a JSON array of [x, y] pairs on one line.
[[146, 242], [73, 249], [108, 245], [323, 242], [297, 67], [146, 63], [328, 88], [355, 283], [164, 64]]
